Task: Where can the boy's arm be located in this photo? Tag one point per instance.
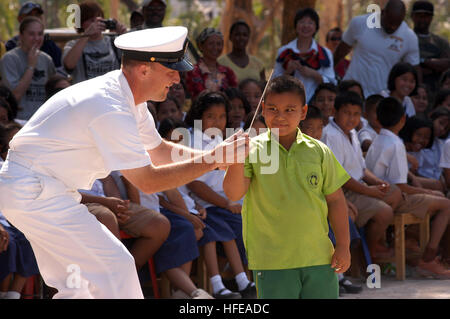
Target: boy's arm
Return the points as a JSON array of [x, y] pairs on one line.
[[235, 184], [360, 188], [132, 191], [206, 193], [338, 217], [408, 189]]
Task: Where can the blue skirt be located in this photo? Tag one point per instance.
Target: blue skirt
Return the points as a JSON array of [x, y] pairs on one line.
[[19, 257], [181, 245], [226, 226], [354, 234]]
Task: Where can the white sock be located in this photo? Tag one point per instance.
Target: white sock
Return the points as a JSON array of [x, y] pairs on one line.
[[217, 285], [12, 295], [3, 294], [340, 277], [242, 281]]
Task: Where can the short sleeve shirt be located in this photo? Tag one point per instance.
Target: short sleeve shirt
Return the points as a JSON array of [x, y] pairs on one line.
[[285, 212], [386, 158], [367, 133], [376, 52], [14, 65], [86, 131], [445, 156], [251, 71]]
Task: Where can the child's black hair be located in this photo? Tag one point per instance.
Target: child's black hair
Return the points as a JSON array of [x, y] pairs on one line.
[[6, 93], [233, 93], [324, 86], [4, 103], [414, 123], [168, 98], [313, 113], [203, 102], [347, 98], [398, 70], [445, 75], [372, 102], [307, 12], [286, 84], [50, 86], [389, 112], [5, 130], [347, 84], [249, 119], [238, 23], [169, 124], [244, 82], [440, 112], [440, 97]]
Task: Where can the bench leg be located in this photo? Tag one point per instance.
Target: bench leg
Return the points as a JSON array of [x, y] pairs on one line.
[[400, 246]]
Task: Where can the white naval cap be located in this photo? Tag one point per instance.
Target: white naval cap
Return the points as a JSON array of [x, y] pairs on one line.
[[165, 45]]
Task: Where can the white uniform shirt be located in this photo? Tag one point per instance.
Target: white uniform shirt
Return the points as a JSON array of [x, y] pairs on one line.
[[386, 158], [310, 84], [3, 220], [375, 52], [88, 130], [367, 133], [429, 160], [407, 103], [349, 154], [445, 155]]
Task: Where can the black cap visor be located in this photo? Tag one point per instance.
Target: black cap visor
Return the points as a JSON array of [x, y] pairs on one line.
[[181, 66]]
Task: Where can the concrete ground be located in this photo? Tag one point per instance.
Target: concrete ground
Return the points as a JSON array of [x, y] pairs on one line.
[[414, 287]]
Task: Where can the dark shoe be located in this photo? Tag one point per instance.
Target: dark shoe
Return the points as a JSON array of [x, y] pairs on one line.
[[230, 295], [249, 292], [349, 287], [230, 284]]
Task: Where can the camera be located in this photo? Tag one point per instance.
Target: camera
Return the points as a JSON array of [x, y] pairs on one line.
[[110, 24]]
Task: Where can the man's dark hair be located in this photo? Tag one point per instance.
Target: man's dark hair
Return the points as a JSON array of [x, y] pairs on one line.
[[347, 98], [307, 12], [286, 84], [372, 102], [389, 112], [398, 70], [414, 123]]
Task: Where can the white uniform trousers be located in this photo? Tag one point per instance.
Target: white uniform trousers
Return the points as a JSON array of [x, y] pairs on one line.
[[76, 254]]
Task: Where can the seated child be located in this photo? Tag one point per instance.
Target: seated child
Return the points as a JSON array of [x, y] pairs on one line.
[[252, 90], [387, 158], [258, 127], [324, 100], [285, 212], [168, 108], [368, 132], [223, 215], [312, 125], [373, 197], [239, 109], [17, 260], [420, 99]]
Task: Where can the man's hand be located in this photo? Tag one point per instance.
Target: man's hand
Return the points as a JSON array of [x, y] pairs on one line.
[[341, 259], [232, 150]]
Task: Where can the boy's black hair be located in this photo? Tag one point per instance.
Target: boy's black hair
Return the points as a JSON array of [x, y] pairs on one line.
[[168, 98], [4, 134], [169, 124], [203, 102], [313, 113], [440, 97], [4, 103], [50, 86], [249, 118], [414, 123], [439, 112], [244, 82], [286, 84], [345, 85], [445, 75], [324, 86], [336, 29], [389, 112], [372, 102], [398, 70], [347, 98], [233, 93], [238, 23], [10, 98], [307, 12]]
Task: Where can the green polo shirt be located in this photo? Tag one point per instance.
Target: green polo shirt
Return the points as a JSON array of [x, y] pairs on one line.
[[284, 215]]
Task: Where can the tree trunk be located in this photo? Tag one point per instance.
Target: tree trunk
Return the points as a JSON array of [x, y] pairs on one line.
[[329, 17], [290, 8]]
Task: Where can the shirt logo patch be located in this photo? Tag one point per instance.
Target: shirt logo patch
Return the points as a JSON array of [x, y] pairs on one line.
[[313, 180]]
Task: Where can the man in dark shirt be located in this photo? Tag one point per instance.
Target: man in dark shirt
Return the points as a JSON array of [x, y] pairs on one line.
[[434, 50], [49, 47]]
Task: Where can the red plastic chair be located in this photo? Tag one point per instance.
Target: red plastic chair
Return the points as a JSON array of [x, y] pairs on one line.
[[30, 290], [151, 268]]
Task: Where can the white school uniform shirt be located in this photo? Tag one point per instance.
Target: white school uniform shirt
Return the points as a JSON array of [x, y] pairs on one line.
[[408, 104], [214, 179], [386, 158], [3, 220], [88, 130], [349, 154], [375, 52], [367, 133], [445, 155], [429, 160], [310, 84]]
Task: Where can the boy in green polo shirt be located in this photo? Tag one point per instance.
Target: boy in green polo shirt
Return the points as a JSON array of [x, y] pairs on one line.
[[285, 211]]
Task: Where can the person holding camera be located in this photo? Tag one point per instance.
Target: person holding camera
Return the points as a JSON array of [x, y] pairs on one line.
[[93, 54]]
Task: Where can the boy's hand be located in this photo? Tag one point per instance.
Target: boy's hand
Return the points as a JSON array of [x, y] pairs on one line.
[[233, 207], [201, 211], [196, 222], [377, 191], [341, 259]]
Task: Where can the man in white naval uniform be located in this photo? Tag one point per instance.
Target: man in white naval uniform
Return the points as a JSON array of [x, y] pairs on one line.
[[83, 133]]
